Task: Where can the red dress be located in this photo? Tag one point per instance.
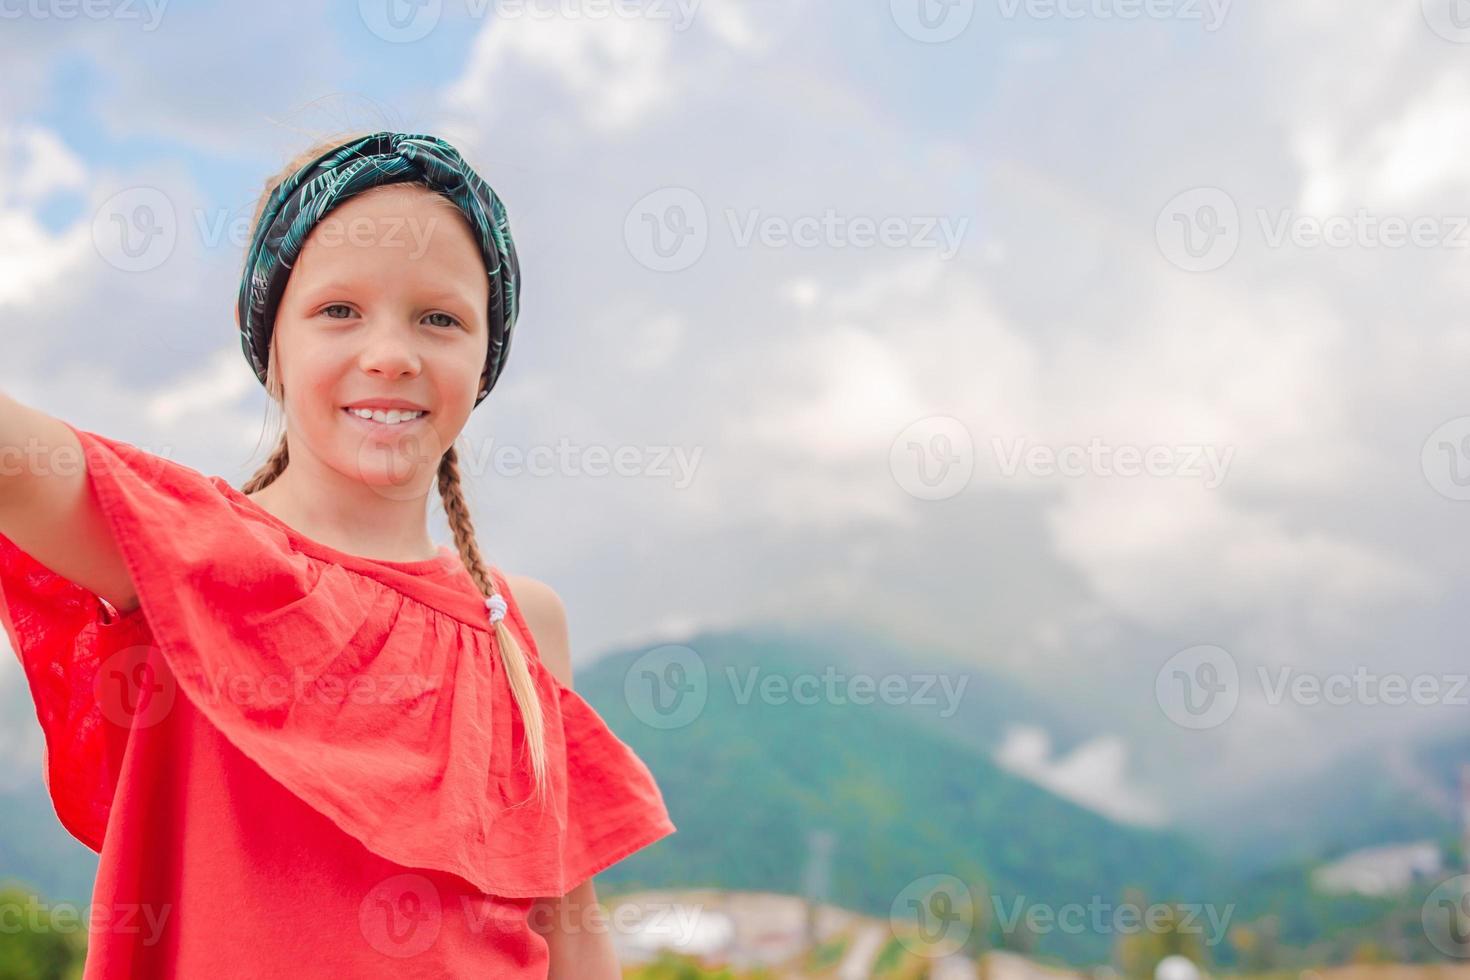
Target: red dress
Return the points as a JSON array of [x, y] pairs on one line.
[[296, 761]]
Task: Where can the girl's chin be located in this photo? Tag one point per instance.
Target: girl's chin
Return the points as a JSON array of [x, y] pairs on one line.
[[401, 455]]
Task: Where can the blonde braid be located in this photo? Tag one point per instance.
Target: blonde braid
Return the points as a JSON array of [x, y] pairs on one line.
[[280, 458], [512, 657], [273, 467]]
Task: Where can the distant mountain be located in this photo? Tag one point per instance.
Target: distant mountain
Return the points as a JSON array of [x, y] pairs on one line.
[[906, 794], [1399, 792]]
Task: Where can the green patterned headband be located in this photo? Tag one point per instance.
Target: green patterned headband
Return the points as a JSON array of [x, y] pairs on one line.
[[306, 196]]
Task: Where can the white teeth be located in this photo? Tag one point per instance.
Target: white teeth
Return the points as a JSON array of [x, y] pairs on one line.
[[391, 417]]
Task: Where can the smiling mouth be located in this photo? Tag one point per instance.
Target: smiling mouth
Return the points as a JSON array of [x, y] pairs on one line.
[[392, 416]]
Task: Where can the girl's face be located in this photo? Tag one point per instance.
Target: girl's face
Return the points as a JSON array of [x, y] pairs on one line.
[[385, 310]]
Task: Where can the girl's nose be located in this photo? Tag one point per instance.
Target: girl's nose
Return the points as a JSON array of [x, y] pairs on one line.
[[389, 352]]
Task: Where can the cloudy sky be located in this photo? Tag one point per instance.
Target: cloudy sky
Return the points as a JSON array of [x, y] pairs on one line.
[[1111, 344]]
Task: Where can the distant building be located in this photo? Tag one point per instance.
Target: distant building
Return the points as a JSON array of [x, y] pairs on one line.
[[999, 964], [767, 930], [1380, 871], [1390, 971]]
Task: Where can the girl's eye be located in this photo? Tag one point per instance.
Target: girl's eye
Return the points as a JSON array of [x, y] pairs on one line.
[[337, 306], [452, 321]]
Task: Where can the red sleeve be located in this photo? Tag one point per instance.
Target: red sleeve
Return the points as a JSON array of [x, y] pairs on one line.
[[73, 649]]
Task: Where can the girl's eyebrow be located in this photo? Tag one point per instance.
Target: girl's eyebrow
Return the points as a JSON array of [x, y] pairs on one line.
[[450, 296], [337, 286], [441, 294]]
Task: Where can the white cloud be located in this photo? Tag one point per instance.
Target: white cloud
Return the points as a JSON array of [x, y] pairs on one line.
[[219, 383], [34, 162], [46, 163], [1094, 774], [576, 80], [1399, 162], [850, 394], [1173, 555], [612, 73], [650, 343]]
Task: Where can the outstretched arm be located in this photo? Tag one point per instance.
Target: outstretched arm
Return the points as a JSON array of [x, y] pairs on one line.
[[575, 925], [47, 506]]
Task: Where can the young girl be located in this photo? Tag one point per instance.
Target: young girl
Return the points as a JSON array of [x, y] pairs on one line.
[[303, 740]]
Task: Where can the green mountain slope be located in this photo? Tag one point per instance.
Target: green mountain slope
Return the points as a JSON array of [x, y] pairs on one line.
[[746, 783]]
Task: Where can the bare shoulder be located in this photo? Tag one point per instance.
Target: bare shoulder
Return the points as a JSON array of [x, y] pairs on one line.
[[546, 617]]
